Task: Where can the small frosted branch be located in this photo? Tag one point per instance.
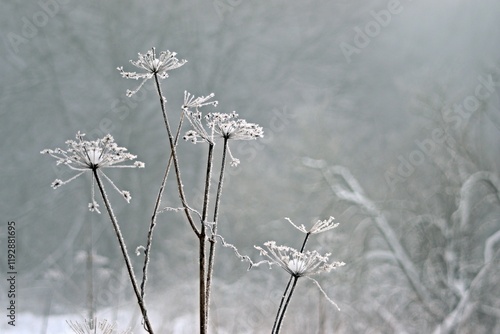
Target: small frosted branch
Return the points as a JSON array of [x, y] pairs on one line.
[[179, 209], [323, 292], [244, 258], [139, 249]]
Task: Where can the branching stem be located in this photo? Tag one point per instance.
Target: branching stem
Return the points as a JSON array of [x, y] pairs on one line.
[[147, 251], [202, 243], [211, 256], [175, 159]]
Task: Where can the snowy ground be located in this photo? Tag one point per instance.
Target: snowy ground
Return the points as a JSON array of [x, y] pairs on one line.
[[27, 323]]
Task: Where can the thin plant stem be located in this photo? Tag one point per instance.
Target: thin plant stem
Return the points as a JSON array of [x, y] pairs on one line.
[[175, 159], [211, 255], [128, 263], [208, 178], [281, 308], [294, 283], [281, 304], [155, 214], [200, 233], [202, 242], [305, 241]]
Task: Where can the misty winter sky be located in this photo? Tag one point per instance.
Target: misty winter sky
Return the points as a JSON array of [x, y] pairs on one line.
[[353, 83]]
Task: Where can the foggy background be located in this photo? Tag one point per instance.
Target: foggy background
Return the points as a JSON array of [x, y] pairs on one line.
[[407, 103]]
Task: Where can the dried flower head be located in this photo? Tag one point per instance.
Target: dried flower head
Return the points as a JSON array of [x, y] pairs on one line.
[[191, 102], [159, 66], [228, 126], [199, 134], [222, 125], [92, 326], [297, 263], [319, 227], [89, 156]]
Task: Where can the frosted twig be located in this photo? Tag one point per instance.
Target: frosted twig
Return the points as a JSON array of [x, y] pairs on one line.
[[152, 225], [323, 292], [243, 258], [123, 247], [178, 209]]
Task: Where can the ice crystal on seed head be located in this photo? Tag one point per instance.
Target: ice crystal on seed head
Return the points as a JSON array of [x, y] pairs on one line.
[[88, 156], [228, 126], [94, 207], [94, 326], [152, 65], [221, 125], [319, 227], [297, 263], [199, 134], [191, 102]]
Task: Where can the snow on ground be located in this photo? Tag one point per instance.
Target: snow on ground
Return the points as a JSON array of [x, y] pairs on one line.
[[28, 323]]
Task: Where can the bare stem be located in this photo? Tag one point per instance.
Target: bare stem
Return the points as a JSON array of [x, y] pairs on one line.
[[202, 241], [211, 256], [305, 241], [126, 257], [155, 214], [175, 159], [281, 308], [281, 304], [280, 320]]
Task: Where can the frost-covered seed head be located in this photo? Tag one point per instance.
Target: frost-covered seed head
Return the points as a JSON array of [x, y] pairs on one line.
[[153, 66], [297, 263], [226, 126], [319, 227], [89, 156], [94, 326], [191, 102]]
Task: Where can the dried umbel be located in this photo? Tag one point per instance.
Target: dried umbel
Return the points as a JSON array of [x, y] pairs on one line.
[[319, 227], [199, 134], [191, 102], [153, 66], [94, 326], [221, 125], [298, 264], [88, 156]]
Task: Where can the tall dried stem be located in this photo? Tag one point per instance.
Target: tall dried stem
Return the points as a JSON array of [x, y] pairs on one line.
[[147, 251], [283, 306], [202, 245], [211, 256], [175, 159], [123, 248]]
